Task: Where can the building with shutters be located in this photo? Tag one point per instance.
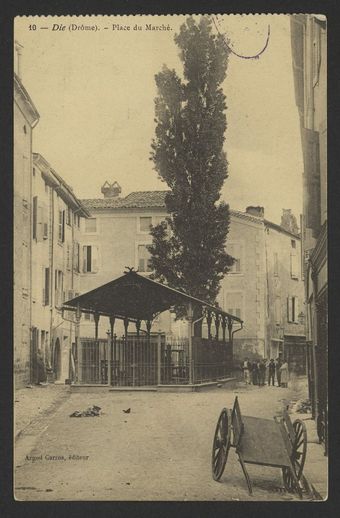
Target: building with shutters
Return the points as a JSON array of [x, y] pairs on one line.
[[266, 273], [56, 220], [309, 59], [25, 118]]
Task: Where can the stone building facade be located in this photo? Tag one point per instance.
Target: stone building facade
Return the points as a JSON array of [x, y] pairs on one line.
[[309, 60], [56, 220], [26, 117]]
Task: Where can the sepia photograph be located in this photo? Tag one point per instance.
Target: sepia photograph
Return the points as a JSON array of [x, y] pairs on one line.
[[170, 319]]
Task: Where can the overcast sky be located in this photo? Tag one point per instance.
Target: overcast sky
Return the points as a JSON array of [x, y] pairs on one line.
[[95, 91]]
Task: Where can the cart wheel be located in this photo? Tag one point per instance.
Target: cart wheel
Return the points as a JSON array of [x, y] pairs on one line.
[[221, 444], [299, 449]]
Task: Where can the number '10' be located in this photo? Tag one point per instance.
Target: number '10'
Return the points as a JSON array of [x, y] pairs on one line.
[[32, 27]]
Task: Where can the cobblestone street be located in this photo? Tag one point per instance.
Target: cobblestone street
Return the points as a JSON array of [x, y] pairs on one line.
[[159, 451]]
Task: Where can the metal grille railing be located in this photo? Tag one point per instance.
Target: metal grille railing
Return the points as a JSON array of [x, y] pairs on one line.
[[146, 361]]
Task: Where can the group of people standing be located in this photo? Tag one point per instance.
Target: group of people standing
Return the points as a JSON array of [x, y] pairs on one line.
[[255, 372]]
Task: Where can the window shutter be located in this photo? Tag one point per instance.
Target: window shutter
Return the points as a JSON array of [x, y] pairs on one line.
[[47, 286], [95, 259], [85, 259], [45, 221], [293, 264], [289, 309], [296, 310], [63, 227], [40, 223]]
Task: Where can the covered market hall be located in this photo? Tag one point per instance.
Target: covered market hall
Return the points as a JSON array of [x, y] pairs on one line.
[[142, 358]]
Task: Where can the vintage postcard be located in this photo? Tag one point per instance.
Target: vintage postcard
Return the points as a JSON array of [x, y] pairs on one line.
[[170, 258]]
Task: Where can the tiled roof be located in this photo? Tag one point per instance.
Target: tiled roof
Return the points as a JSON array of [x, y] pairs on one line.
[[135, 200], [156, 199]]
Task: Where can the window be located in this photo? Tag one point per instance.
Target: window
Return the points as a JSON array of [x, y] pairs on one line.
[[145, 223], [143, 259], [293, 243], [76, 259], [90, 259], [58, 287], [293, 309], [33, 171], [277, 309], [61, 226], [90, 225], [276, 264], [294, 264], [46, 289], [236, 312], [235, 251], [234, 303]]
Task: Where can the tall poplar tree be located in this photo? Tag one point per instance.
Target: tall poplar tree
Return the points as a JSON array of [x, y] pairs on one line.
[[188, 252]]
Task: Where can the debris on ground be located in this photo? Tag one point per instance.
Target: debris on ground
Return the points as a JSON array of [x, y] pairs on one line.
[[92, 411], [127, 411], [302, 407]]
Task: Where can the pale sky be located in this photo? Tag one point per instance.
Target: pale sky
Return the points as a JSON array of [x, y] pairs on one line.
[[95, 95]]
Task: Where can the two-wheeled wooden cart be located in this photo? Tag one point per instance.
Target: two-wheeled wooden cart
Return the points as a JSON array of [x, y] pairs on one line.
[[277, 443]]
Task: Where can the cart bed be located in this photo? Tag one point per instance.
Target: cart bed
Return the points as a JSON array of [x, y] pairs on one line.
[[262, 443]]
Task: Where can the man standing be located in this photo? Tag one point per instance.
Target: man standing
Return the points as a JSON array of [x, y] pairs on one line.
[[278, 364], [246, 374], [262, 372], [255, 372], [271, 372]]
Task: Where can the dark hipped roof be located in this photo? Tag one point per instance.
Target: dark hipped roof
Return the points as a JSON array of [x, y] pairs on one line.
[[135, 297], [135, 200]]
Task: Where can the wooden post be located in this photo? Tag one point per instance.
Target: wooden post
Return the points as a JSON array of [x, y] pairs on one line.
[[109, 351], [78, 346], [96, 322], [190, 315], [126, 325], [224, 325], [159, 353], [217, 325], [209, 320], [230, 328]]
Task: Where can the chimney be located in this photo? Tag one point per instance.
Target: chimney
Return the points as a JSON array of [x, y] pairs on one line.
[[18, 49], [289, 222], [111, 190], [255, 211]]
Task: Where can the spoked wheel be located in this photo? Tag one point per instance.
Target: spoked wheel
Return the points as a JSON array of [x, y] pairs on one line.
[[299, 450], [221, 444]]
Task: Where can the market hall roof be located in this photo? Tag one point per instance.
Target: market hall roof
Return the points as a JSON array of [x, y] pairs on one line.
[[136, 297]]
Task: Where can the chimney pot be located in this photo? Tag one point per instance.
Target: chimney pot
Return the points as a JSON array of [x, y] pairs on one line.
[[111, 190], [255, 211]]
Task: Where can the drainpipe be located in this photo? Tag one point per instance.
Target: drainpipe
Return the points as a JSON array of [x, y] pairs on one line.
[[51, 265]]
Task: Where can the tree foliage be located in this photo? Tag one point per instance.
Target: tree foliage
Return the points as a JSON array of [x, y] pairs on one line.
[[188, 252]]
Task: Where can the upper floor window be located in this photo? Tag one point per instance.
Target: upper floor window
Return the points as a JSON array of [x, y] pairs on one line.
[[294, 264], [76, 257], [145, 223], [90, 225], [61, 226], [235, 250], [277, 310], [293, 309], [144, 259], [90, 259]]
